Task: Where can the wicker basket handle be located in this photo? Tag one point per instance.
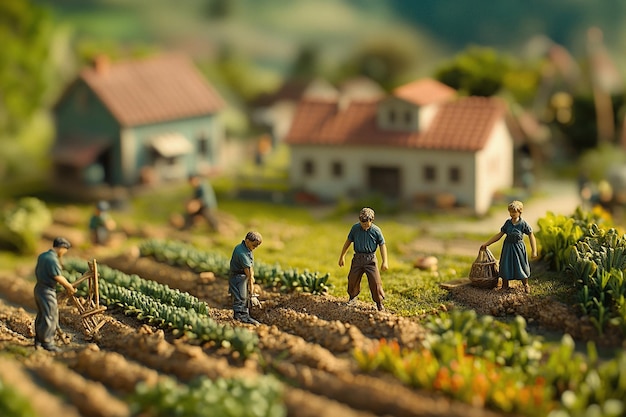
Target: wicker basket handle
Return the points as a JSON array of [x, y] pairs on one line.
[[485, 255]]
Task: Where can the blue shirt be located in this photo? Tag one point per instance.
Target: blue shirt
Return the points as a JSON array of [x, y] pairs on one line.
[[366, 241], [47, 268], [204, 193], [242, 258]]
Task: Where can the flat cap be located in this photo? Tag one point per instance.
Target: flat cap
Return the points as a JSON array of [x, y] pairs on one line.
[[61, 242]]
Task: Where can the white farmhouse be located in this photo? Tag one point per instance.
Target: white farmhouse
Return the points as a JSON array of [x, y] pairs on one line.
[[421, 141]]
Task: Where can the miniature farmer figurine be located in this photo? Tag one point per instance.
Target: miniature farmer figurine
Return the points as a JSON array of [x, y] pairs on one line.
[[366, 237], [203, 203], [514, 259], [48, 273], [101, 224], [242, 276]]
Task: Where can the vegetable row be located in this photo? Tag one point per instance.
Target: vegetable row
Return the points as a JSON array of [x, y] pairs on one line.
[[160, 305], [176, 253], [595, 256], [203, 397], [485, 363]]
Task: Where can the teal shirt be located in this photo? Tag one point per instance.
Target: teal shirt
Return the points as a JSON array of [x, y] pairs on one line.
[[366, 241], [242, 258], [47, 268], [206, 194], [97, 221]]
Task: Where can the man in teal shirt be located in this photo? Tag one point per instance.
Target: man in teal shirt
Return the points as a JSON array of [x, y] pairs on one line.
[[101, 224], [203, 203], [242, 276], [48, 273], [366, 237]]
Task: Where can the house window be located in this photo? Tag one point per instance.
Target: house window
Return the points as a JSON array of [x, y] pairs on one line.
[[454, 175], [309, 167], [392, 116], [408, 118], [337, 169], [203, 146], [430, 173]]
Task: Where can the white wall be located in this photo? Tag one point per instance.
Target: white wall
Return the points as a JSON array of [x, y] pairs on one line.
[[481, 173], [495, 167], [357, 160]]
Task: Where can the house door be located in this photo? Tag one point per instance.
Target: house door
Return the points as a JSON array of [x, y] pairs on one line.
[[384, 180], [106, 161]]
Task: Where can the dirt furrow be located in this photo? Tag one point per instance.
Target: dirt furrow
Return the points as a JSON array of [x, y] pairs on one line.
[[43, 402], [91, 398], [112, 369]]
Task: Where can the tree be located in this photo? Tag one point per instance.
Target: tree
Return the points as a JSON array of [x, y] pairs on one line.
[[26, 32], [306, 65], [478, 71], [383, 60]]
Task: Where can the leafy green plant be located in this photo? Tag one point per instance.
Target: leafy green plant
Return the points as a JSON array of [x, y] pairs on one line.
[[557, 235], [509, 345], [598, 263], [22, 224], [203, 397]]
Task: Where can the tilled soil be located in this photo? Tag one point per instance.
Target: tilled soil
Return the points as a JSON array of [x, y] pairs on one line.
[[306, 340]]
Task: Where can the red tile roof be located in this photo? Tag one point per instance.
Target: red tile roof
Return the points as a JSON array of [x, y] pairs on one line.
[[425, 91], [461, 125], [152, 90]]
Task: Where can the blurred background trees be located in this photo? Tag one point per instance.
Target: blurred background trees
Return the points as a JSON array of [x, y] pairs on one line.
[[248, 48], [26, 76]]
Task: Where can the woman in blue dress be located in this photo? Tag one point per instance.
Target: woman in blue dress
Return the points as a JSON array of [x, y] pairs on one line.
[[514, 259]]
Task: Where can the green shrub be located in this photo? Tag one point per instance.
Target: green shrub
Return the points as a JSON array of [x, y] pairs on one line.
[[22, 225]]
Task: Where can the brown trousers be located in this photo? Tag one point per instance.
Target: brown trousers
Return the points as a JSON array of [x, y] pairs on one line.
[[365, 263]]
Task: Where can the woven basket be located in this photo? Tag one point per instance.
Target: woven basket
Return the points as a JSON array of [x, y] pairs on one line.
[[484, 272]]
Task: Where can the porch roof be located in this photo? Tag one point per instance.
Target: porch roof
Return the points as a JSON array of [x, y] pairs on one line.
[[78, 154], [171, 144]]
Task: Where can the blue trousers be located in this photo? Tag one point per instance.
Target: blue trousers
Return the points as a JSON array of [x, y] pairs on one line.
[[47, 319], [238, 287]]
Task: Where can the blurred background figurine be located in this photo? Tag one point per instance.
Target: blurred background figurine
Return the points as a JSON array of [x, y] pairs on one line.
[[202, 204], [48, 273], [101, 224], [514, 259]]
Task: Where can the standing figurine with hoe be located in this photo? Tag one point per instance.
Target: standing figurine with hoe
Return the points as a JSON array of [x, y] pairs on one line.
[[48, 273], [241, 279], [366, 237], [514, 258]]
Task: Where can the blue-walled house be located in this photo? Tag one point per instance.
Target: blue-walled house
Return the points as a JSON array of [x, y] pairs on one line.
[[138, 121]]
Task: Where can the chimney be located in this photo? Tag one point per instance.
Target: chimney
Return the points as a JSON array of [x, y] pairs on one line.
[[344, 102], [101, 64]]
